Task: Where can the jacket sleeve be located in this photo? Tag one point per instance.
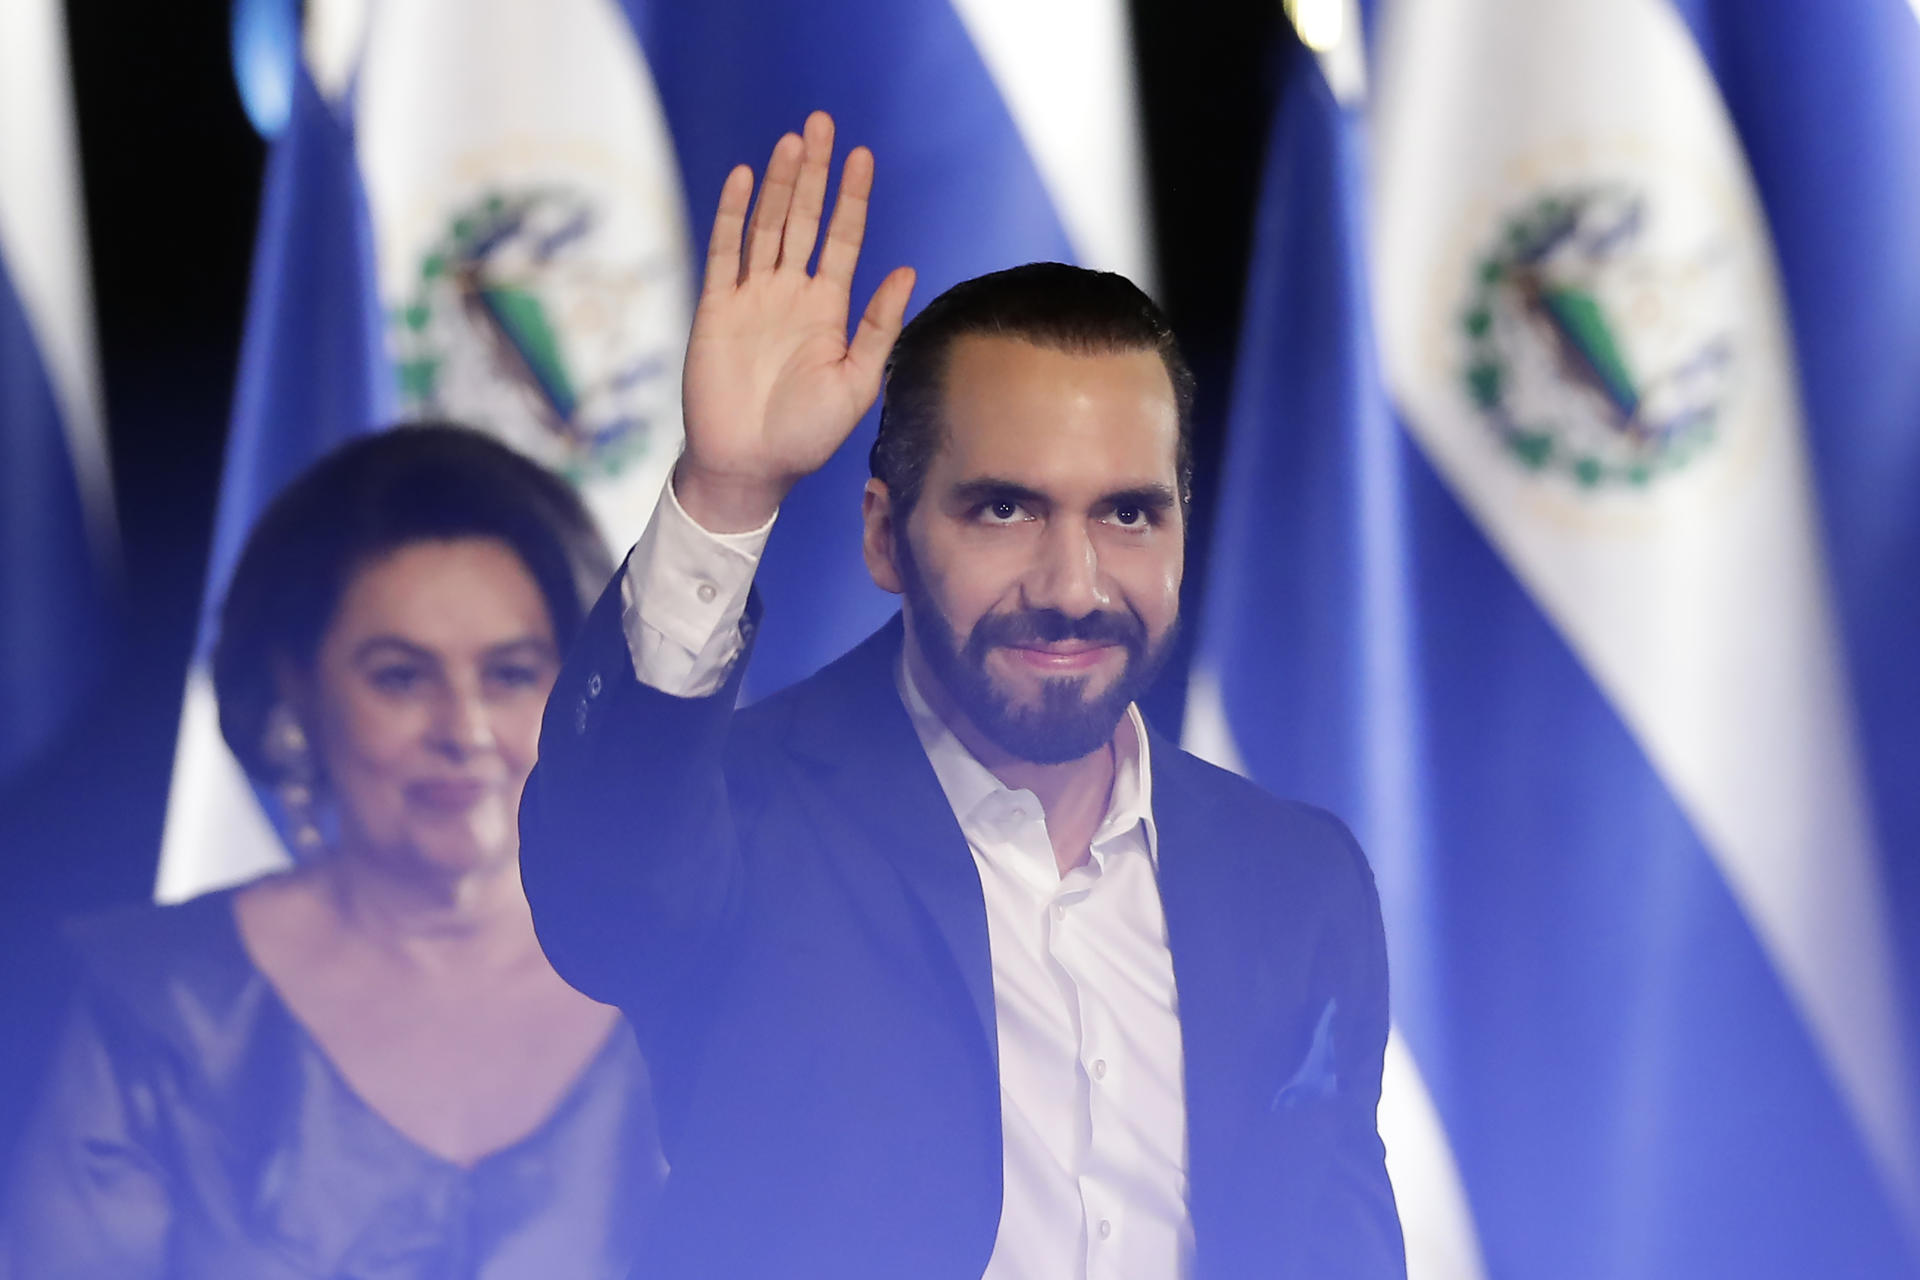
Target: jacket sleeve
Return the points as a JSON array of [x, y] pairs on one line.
[[628, 845], [1359, 1233], [88, 1197]]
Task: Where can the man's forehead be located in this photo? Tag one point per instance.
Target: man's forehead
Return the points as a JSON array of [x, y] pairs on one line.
[[1017, 401], [1011, 358]]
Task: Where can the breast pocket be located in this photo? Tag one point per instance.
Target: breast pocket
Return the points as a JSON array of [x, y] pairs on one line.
[[1316, 1077]]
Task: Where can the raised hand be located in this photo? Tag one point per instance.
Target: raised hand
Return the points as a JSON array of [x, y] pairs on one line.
[[772, 384]]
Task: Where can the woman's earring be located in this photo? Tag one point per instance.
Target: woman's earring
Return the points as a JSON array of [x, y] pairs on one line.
[[288, 750]]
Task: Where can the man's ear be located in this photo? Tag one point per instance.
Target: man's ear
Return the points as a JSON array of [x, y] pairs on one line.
[[877, 535]]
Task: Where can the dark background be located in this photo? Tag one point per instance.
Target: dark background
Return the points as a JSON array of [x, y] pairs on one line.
[[172, 171]]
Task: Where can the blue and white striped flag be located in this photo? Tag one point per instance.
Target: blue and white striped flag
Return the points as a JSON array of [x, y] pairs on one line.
[[58, 547], [1559, 624], [473, 212]]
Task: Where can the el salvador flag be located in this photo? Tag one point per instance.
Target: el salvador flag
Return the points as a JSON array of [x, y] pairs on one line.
[[476, 210], [1003, 132], [1557, 601], [58, 552]]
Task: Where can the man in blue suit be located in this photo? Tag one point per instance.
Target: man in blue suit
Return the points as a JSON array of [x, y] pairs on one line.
[[947, 965]]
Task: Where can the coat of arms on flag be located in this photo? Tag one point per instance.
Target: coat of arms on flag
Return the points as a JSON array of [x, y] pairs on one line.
[[1593, 349], [532, 300]]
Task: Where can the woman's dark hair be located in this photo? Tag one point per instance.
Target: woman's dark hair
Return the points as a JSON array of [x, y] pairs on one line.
[[1049, 304], [424, 483]]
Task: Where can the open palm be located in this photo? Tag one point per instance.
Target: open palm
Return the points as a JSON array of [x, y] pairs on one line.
[[773, 386]]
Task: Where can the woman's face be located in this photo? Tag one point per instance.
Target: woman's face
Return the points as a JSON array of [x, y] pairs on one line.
[[425, 703]]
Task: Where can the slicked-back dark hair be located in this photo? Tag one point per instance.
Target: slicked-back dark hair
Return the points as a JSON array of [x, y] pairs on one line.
[[1049, 304], [423, 483]]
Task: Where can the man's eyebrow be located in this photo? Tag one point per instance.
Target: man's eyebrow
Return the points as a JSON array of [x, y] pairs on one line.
[[984, 489], [991, 489], [1152, 497]]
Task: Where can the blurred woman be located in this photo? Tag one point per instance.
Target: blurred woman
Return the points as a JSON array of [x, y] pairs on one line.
[[362, 1067]]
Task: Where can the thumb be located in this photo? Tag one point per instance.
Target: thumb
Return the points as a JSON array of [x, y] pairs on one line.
[[879, 326]]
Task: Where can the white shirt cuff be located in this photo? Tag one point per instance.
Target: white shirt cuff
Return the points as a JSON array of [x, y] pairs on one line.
[[684, 594]]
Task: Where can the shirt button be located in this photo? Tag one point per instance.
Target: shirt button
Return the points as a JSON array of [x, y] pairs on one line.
[[594, 685], [1059, 912], [1019, 814], [707, 591], [1099, 1068], [1106, 1228]]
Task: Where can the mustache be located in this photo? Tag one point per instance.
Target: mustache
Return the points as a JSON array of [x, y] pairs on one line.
[[1049, 626]]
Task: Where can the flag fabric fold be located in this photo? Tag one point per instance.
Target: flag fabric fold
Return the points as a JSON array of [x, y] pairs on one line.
[[1828, 113], [58, 541]]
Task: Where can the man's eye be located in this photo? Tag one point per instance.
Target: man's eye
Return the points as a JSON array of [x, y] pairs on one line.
[[1002, 511], [1129, 515]]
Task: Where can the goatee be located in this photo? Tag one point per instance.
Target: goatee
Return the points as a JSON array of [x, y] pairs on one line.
[[1067, 723]]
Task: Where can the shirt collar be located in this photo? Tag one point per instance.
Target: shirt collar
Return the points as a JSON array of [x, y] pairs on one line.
[[975, 794]]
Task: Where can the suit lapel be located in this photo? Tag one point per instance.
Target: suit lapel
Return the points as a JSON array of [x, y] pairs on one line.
[[1239, 925], [1242, 956], [856, 739], [1208, 935]]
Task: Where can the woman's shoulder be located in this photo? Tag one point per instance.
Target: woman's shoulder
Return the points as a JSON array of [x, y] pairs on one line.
[[176, 970]]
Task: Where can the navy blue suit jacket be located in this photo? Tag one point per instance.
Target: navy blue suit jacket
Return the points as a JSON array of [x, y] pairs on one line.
[[781, 900]]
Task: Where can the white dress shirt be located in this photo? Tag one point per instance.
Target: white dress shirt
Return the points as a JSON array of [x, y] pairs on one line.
[[1093, 1116]]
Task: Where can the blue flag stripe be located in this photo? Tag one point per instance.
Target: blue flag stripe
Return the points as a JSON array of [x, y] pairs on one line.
[[313, 371], [1309, 243], [54, 611]]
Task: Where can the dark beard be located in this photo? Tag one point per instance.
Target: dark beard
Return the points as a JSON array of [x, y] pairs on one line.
[[1066, 724]]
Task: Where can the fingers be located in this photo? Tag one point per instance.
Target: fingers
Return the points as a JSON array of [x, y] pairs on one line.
[[729, 221], [809, 193], [784, 225], [867, 353], [849, 224], [776, 196]]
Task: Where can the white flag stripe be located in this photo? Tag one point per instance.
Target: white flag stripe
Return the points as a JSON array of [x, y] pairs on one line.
[[333, 35], [1435, 1217], [216, 834], [1697, 600], [1334, 31], [1065, 71], [552, 96], [43, 240]]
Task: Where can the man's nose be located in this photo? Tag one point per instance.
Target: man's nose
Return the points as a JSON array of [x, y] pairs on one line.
[[1066, 576]]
